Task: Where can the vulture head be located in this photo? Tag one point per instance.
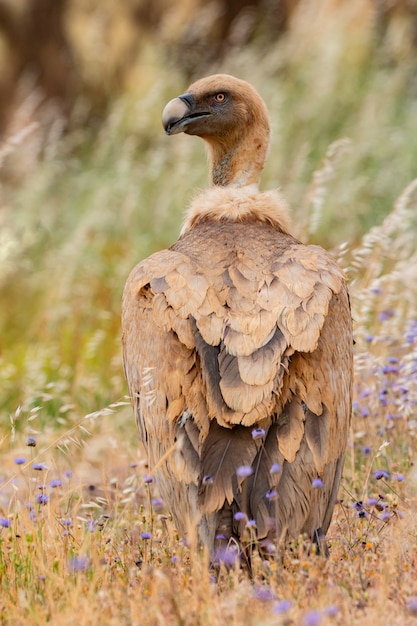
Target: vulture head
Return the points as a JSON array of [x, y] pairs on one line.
[[232, 119]]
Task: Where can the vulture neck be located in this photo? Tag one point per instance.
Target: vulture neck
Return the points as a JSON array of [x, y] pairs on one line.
[[237, 160]]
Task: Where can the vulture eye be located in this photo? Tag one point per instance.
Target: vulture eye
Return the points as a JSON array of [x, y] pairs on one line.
[[220, 97]]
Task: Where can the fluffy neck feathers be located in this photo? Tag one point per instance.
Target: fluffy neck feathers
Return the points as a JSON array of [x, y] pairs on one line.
[[238, 204]]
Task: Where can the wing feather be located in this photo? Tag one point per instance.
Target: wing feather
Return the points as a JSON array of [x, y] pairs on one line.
[[317, 429], [291, 429], [262, 365]]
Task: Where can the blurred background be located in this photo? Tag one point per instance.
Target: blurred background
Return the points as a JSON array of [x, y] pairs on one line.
[[89, 183]]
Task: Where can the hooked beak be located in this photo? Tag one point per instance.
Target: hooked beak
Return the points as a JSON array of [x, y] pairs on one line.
[[179, 113]]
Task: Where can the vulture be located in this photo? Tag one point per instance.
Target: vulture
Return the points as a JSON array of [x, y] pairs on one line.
[[237, 347]]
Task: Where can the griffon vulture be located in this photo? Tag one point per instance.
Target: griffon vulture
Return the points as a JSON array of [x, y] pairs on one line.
[[238, 345]]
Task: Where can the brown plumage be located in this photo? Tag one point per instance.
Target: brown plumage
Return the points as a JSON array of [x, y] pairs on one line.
[[238, 344]]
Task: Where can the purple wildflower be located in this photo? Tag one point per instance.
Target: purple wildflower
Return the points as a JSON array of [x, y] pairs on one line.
[[227, 556], [157, 504], [312, 618], [366, 451], [385, 516], [31, 442], [146, 535], [412, 332], [91, 525], [39, 467], [258, 433], [275, 468], [20, 460], [331, 610], [358, 505], [5, 523], [378, 474], [383, 397], [147, 479], [317, 483], [239, 516], [78, 564], [207, 480], [411, 604], [263, 594], [251, 523], [68, 473], [243, 471], [66, 522], [271, 494], [385, 315], [41, 498], [282, 607], [56, 483], [399, 477]]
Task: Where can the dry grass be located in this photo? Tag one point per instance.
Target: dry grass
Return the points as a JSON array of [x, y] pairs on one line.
[[96, 546]]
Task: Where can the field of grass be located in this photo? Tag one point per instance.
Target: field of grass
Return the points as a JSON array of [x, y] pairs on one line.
[[84, 537]]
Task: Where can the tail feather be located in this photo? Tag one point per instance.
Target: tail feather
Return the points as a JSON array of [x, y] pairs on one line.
[[262, 484], [224, 451]]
